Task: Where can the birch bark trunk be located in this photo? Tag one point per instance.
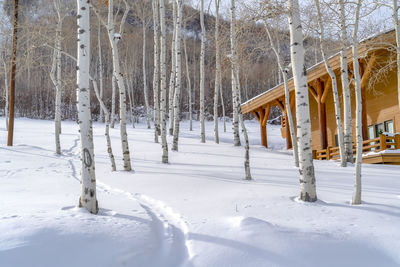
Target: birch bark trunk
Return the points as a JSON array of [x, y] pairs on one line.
[[156, 75], [107, 128], [348, 127], [173, 73], [88, 180], [189, 83], [113, 93], [217, 72], [222, 100], [114, 39], [202, 75], [297, 51], [235, 96], [6, 89], [178, 77], [163, 83], [359, 138], [396, 23], [100, 71], [284, 72], [145, 89], [55, 76], [338, 116]]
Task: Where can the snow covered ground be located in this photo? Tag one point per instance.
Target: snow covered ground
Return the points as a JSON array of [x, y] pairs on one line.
[[195, 211]]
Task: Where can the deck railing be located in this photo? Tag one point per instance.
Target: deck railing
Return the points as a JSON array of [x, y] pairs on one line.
[[383, 142]]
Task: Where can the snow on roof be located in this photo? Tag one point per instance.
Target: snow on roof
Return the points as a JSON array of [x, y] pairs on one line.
[[317, 64]]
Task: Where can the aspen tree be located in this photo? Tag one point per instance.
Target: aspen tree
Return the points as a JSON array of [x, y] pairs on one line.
[[332, 76], [5, 88], [163, 95], [100, 70], [284, 72], [114, 38], [107, 124], [297, 51], [143, 14], [173, 72], [113, 93], [189, 83], [178, 75], [395, 16], [88, 194], [55, 75], [348, 127], [202, 75], [235, 90], [357, 79], [217, 72], [156, 74]]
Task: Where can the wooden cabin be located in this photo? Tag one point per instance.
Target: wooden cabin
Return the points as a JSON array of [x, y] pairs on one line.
[[380, 115]]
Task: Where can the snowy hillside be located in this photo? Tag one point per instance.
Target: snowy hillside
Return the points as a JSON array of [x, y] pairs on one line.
[[196, 211]]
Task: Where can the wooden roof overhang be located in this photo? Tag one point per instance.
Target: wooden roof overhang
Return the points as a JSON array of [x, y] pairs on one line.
[[315, 72]]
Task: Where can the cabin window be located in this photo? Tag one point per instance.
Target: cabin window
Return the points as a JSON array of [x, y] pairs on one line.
[[389, 126], [378, 129], [371, 132], [336, 140]]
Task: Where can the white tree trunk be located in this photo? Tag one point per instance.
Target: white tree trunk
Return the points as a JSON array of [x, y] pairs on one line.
[[284, 72], [202, 75], [178, 77], [113, 38], [395, 16], [55, 76], [163, 95], [235, 96], [359, 138], [145, 90], [113, 93], [6, 89], [336, 101], [156, 75], [100, 71], [107, 129], [88, 180], [217, 72], [348, 127], [297, 51], [173, 73], [222, 100], [189, 83]]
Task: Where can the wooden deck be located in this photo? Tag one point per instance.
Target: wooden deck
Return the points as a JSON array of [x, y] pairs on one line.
[[375, 151]]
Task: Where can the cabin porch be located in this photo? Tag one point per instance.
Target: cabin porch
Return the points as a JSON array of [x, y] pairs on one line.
[[382, 150]]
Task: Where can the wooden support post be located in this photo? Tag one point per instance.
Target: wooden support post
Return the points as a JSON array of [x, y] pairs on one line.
[[263, 128], [321, 114], [264, 123], [382, 141], [365, 74], [328, 153], [12, 77], [397, 141]]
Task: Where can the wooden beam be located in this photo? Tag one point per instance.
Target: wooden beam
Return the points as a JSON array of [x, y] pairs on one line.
[[281, 106], [366, 73], [267, 110], [328, 86], [292, 101], [256, 115], [263, 128], [313, 92], [321, 115], [288, 136]]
